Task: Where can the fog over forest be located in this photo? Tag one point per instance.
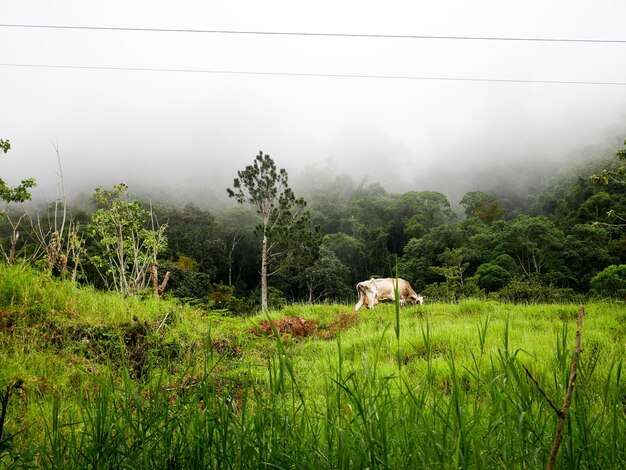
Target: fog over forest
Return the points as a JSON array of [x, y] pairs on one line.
[[359, 157], [177, 112]]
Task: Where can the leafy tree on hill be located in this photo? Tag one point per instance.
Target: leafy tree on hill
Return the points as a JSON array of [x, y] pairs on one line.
[[19, 193], [482, 205], [329, 203], [496, 274], [587, 250], [327, 278], [615, 177], [351, 252], [414, 213], [127, 238], [534, 242], [421, 253]]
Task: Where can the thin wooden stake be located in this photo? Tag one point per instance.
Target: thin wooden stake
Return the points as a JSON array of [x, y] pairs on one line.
[[562, 413]]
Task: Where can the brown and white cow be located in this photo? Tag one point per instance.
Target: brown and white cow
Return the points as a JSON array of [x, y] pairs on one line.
[[378, 290]]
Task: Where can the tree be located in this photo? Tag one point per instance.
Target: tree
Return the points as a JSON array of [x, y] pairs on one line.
[[19, 193], [326, 278], [351, 252], [128, 246], [615, 176], [587, 250], [482, 205], [421, 253], [452, 269], [534, 242], [238, 231], [493, 277], [194, 233], [58, 237], [284, 220]]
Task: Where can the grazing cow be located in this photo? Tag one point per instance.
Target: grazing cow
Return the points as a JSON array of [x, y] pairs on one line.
[[378, 290]]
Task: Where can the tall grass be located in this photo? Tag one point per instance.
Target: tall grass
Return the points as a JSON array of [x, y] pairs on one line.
[[447, 390]]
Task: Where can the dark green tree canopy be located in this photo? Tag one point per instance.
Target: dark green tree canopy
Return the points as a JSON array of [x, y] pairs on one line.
[[482, 205]]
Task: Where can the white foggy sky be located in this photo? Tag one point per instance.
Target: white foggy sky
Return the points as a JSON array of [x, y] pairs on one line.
[[197, 130]]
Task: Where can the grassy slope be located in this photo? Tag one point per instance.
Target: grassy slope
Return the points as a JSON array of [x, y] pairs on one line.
[[66, 343]]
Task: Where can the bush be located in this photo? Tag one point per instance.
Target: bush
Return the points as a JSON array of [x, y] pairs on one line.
[[453, 291], [493, 277], [186, 284], [530, 291], [223, 297], [610, 283]]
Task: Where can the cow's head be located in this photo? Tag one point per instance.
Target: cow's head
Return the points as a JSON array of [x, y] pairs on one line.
[[415, 299]]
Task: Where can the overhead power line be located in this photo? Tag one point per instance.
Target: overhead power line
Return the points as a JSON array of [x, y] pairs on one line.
[[338, 35], [315, 75]]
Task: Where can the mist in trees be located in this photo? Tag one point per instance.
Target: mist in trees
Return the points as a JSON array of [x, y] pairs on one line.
[[567, 242]]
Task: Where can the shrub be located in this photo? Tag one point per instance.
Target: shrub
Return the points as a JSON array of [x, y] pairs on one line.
[[530, 291], [610, 283], [493, 277], [187, 284]]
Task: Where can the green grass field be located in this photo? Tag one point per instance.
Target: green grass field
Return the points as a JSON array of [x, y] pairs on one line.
[[94, 380]]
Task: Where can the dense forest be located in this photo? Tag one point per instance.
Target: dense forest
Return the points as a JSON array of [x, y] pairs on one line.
[[561, 243]]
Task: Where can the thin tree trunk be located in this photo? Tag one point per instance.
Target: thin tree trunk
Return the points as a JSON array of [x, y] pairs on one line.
[[230, 260], [14, 238], [163, 285], [155, 279], [264, 274], [75, 270]]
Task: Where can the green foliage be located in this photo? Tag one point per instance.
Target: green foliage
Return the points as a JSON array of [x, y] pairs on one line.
[[19, 193], [481, 205], [288, 242], [534, 242], [617, 175], [531, 291], [194, 233], [610, 283], [452, 267], [327, 278], [493, 277], [127, 245], [587, 250], [350, 251], [189, 285], [456, 286], [275, 299], [571, 233], [221, 295], [422, 253], [182, 388]]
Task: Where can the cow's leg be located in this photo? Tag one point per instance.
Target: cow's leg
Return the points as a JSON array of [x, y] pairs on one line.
[[361, 301]]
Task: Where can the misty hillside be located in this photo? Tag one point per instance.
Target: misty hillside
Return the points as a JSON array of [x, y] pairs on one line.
[[545, 236]]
